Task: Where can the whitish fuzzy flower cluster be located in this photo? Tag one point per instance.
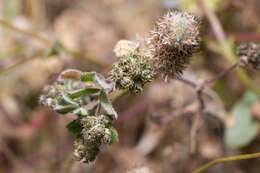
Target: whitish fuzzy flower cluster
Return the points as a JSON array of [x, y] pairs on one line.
[[174, 39], [250, 52], [97, 131], [125, 47], [141, 169], [132, 72]]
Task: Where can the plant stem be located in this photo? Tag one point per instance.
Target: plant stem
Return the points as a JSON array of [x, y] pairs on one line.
[[24, 32], [227, 51], [119, 94], [226, 159], [199, 91], [48, 43], [6, 70], [221, 74]]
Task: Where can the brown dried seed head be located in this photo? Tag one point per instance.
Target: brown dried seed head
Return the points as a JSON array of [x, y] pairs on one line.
[[250, 52], [174, 39]]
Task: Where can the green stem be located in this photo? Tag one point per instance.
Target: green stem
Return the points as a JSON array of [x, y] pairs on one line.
[[120, 94], [226, 159]]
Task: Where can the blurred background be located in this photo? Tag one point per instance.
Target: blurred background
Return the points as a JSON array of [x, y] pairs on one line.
[[34, 138]]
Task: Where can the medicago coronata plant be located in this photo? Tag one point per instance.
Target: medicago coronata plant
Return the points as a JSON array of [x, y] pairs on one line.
[[174, 39]]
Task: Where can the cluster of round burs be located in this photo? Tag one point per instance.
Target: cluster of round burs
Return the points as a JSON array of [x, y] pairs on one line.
[[174, 39], [133, 70], [250, 53], [97, 131]]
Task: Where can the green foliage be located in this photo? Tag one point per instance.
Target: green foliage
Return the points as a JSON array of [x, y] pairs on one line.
[[96, 78], [245, 128], [75, 127], [107, 105], [72, 92], [114, 136], [83, 92]]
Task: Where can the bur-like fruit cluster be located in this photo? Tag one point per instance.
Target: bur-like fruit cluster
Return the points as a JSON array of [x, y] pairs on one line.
[[251, 53], [174, 39], [132, 72], [97, 131]]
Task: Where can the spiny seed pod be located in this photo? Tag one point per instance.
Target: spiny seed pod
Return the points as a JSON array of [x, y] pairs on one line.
[[125, 47], [174, 39], [131, 72], [250, 52]]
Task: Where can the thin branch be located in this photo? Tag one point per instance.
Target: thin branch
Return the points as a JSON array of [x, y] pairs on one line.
[[24, 32], [176, 113], [226, 159], [49, 43], [194, 132], [214, 22], [188, 82], [119, 94], [199, 91], [227, 52], [221, 74], [25, 60]]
